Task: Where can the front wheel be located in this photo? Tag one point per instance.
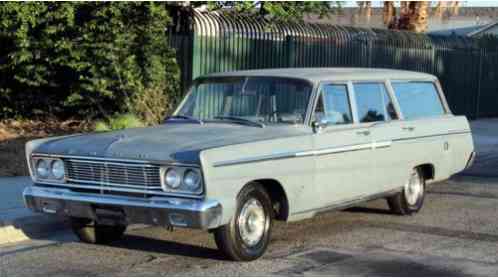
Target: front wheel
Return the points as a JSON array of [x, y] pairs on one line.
[[89, 231], [411, 199], [247, 235]]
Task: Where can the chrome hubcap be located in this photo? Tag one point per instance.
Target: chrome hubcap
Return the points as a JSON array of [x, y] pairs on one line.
[[252, 222], [413, 188]]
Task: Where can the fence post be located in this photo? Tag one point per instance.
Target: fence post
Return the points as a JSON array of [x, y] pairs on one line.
[[197, 48], [479, 80], [291, 51], [370, 53]]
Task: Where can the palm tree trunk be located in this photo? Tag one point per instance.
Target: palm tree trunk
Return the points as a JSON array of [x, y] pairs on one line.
[[389, 13], [455, 7], [365, 10], [414, 16], [441, 9]]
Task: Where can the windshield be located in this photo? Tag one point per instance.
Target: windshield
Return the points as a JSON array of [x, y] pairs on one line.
[[265, 100]]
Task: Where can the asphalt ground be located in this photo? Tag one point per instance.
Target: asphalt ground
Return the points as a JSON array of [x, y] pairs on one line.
[[455, 234]]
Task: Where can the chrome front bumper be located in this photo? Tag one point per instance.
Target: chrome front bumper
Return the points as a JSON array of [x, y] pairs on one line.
[[163, 211]]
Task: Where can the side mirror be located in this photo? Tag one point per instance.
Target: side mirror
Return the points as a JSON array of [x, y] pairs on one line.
[[319, 125]]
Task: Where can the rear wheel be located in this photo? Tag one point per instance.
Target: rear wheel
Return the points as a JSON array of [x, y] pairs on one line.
[[247, 235], [411, 199], [89, 231]]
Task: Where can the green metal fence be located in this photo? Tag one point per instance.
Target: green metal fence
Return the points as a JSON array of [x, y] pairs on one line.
[[218, 43]]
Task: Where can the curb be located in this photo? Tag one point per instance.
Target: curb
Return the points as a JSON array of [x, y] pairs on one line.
[[33, 226], [23, 224]]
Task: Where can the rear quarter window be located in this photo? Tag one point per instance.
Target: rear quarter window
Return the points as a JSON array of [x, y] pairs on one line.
[[418, 99]]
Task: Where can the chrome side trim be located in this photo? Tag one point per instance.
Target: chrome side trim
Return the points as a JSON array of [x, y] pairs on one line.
[[432, 135], [319, 152], [458, 131], [343, 149], [327, 151], [256, 159]]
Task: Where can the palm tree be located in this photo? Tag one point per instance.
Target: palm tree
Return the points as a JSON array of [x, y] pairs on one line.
[[415, 18], [413, 15], [365, 9], [389, 13]]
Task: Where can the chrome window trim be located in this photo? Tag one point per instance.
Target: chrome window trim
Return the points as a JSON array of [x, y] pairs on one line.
[[312, 103], [352, 100], [318, 93], [394, 99], [382, 82], [195, 82], [437, 87]]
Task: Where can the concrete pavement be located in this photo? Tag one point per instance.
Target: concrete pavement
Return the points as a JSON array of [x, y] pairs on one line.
[[485, 135], [17, 223], [455, 234]]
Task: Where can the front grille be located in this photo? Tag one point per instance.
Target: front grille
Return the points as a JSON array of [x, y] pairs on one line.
[[114, 176]]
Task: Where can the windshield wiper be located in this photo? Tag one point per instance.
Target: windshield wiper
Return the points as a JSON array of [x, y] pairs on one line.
[[240, 120], [186, 118]]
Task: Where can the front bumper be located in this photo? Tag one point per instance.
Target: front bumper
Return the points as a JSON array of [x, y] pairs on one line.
[[164, 211]]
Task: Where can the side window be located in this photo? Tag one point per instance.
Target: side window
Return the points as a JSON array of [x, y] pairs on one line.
[[418, 99], [333, 105], [373, 102]]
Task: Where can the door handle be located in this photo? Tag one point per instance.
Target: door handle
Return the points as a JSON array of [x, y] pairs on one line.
[[408, 128], [364, 133]]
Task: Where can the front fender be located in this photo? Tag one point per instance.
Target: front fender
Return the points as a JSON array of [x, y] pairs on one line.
[[227, 169]]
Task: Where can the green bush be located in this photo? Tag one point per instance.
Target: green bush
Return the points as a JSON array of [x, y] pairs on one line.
[[91, 59], [118, 122], [102, 126]]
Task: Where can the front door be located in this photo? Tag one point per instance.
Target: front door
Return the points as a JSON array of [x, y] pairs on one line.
[[342, 149]]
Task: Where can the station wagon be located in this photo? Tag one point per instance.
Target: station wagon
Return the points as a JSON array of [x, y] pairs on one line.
[[249, 147]]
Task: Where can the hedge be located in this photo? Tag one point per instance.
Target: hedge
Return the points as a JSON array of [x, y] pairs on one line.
[[86, 59]]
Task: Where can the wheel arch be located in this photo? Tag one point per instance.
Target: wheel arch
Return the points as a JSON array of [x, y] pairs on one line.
[[428, 170], [278, 197]]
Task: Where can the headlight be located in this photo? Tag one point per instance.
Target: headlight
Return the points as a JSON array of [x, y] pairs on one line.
[[48, 169], [192, 180], [58, 171], [182, 180], [42, 168], [172, 178]]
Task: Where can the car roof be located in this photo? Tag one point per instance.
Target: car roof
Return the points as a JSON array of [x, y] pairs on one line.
[[330, 74]]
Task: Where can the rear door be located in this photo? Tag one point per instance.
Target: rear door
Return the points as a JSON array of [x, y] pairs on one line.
[[375, 106]]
